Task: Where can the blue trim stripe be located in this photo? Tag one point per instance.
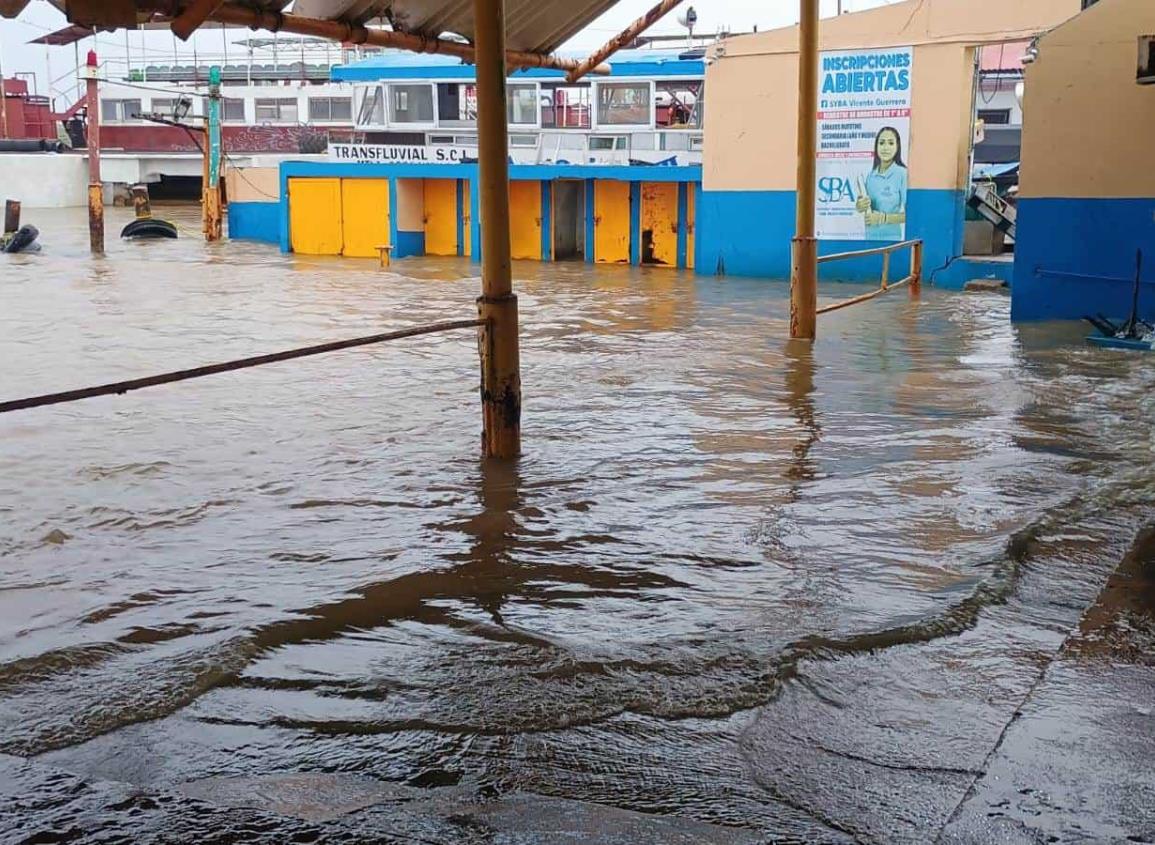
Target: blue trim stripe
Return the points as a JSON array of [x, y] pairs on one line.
[[546, 220], [590, 212], [635, 223], [475, 220], [393, 239]]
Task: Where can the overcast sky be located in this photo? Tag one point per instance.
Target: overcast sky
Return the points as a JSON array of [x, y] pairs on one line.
[[158, 46]]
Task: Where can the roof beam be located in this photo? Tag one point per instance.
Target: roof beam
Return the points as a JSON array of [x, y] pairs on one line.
[[622, 39], [353, 33]]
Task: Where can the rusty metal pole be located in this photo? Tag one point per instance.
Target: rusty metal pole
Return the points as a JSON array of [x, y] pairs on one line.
[[916, 269], [95, 186], [11, 216], [804, 271], [622, 39], [497, 305], [140, 203]]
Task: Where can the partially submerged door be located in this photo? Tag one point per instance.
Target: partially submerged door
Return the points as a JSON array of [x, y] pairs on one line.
[[441, 217], [525, 219], [611, 222], [659, 229], [365, 216], [315, 216]]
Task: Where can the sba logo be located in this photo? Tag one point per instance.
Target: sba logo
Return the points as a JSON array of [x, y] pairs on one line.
[[835, 189]]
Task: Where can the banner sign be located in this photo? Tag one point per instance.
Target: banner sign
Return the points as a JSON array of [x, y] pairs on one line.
[[400, 154], [863, 144]]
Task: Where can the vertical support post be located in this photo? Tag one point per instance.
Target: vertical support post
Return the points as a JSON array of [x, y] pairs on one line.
[[211, 190], [885, 269], [804, 269], [11, 216], [140, 203], [95, 186], [916, 269], [497, 305], [4, 103]]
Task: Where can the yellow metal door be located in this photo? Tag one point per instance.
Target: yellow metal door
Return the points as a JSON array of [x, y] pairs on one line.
[[364, 216], [611, 222], [660, 223], [690, 225], [525, 220], [441, 217], [315, 216], [466, 220]]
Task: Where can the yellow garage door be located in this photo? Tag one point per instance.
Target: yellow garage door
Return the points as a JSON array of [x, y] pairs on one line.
[[525, 220], [315, 216], [660, 223], [365, 216], [441, 217], [611, 222]]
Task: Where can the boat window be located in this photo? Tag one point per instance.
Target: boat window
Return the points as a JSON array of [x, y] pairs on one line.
[[623, 104], [677, 104], [523, 140], [232, 110], [565, 106], [119, 111], [411, 103], [456, 104], [609, 142], [372, 111], [330, 109], [276, 110], [521, 105]]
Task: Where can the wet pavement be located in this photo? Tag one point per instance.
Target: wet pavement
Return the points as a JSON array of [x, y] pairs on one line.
[[893, 589]]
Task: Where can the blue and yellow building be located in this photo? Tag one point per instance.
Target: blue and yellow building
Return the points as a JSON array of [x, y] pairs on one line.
[[681, 160], [1087, 192]]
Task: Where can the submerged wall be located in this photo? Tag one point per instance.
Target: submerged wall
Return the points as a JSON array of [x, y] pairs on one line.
[[749, 168], [44, 180], [1087, 184]]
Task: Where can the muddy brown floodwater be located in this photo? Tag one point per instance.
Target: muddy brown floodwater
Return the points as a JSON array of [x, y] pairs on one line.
[[291, 604]]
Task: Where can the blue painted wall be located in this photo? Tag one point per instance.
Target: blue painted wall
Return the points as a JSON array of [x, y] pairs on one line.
[[1077, 256], [409, 243], [255, 221], [747, 233]]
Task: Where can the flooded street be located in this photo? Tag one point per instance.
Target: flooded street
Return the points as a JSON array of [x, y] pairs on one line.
[[734, 592]]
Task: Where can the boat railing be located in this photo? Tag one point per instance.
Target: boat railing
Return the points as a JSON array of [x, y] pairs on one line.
[[913, 278]]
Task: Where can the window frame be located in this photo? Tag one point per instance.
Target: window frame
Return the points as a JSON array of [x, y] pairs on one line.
[[280, 103], [699, 103], [535, 88], [416, 125], [329, 100], [244, 110], [122, 115], [648, 84]]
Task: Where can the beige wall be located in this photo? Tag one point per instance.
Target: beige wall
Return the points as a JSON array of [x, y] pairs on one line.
[[752, 97], [253, 184], [1088, 128], [410, 209]]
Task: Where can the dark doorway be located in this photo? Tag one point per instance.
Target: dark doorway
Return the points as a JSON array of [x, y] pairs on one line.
[[569, 220]]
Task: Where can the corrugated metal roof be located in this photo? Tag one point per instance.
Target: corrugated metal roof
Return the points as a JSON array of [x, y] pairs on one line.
[[538, 26]]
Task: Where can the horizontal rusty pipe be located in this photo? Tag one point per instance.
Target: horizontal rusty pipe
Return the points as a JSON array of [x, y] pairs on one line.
[[622, 39], [352, 33], [194, 14]]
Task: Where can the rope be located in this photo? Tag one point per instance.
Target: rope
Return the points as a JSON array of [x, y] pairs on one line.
[[120, 387]]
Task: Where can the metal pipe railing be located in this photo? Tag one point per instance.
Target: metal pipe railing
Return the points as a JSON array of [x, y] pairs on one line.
[[913, 279]]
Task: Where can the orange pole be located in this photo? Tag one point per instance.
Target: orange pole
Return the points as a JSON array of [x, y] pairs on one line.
[[497, 306], [804, 270], [95, 186]]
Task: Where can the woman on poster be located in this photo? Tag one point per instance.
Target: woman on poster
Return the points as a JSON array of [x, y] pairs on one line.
[[882, 197]]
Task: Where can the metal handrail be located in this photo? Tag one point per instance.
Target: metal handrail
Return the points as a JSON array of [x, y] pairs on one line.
[[914, 278]]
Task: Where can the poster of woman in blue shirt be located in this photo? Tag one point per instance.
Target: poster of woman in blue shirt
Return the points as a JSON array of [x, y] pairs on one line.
[[882, 196]]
